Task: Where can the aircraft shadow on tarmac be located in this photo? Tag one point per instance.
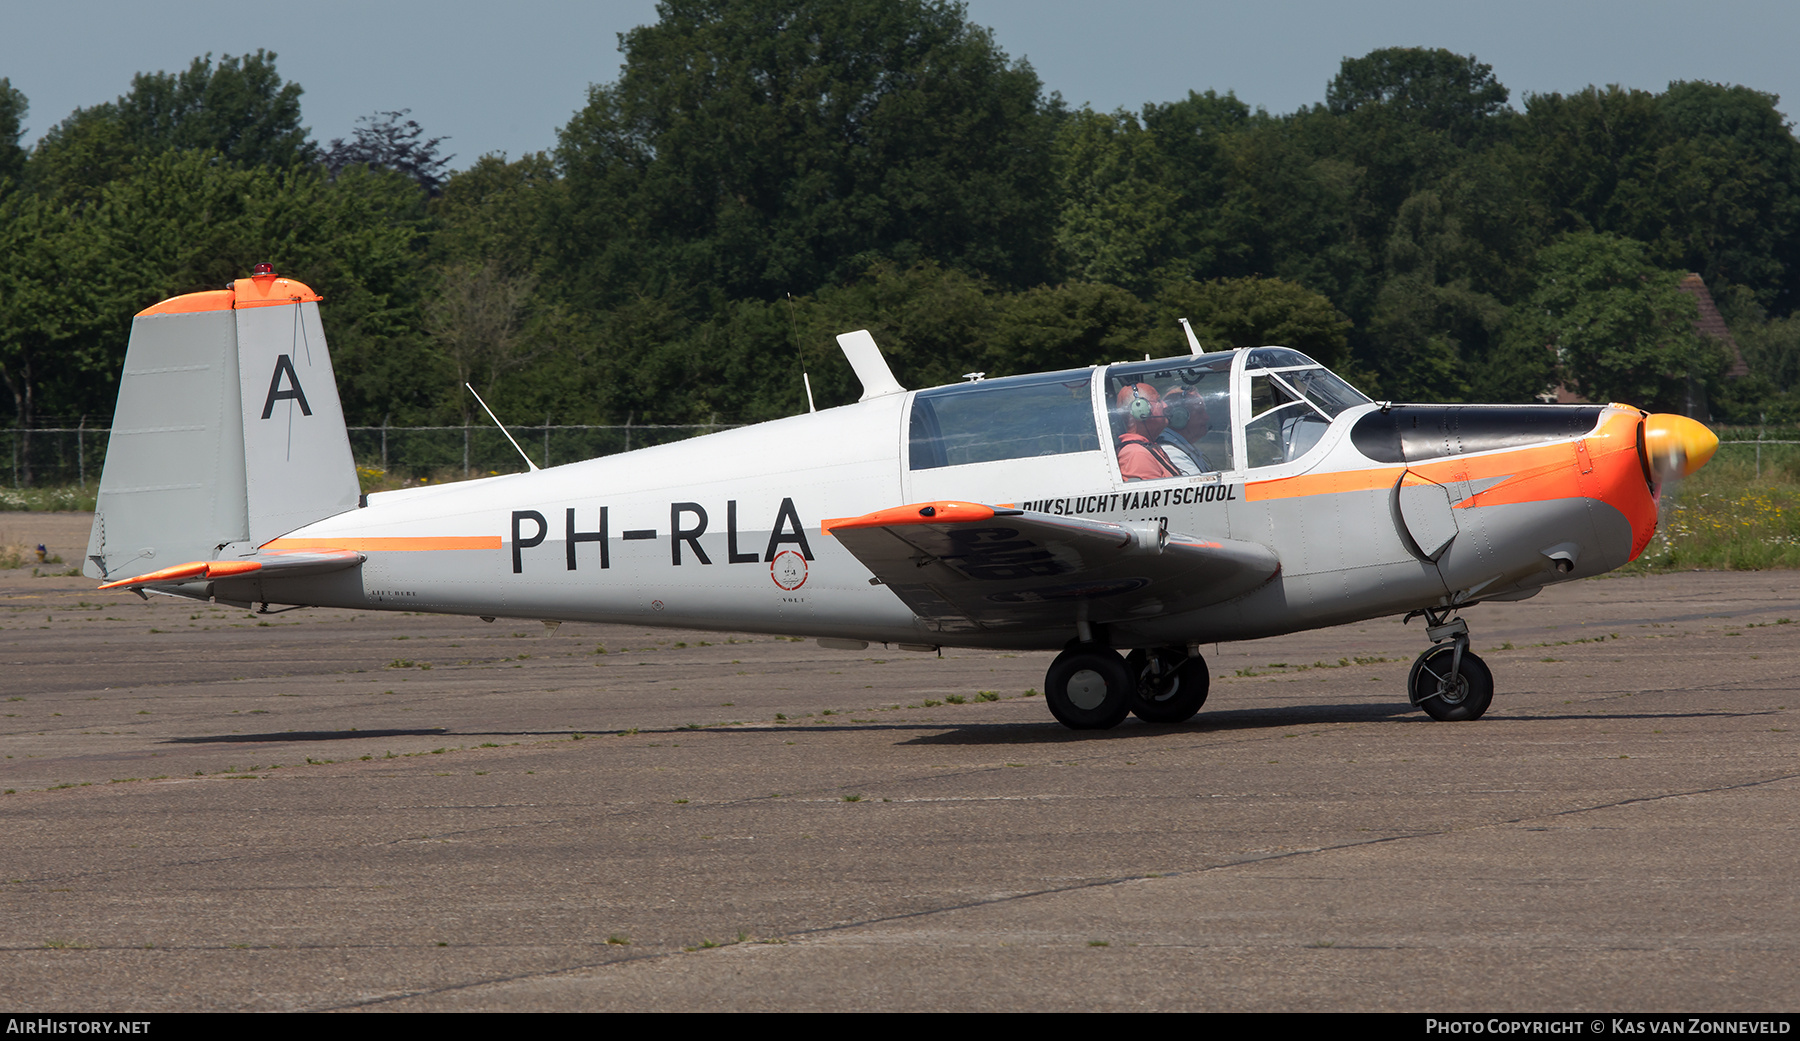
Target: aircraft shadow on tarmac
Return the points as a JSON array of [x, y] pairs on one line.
[[1238, 719], [986, 733], [1257, 719], [303, 735]]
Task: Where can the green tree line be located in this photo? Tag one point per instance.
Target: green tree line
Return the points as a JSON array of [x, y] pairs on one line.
[[762, 176]]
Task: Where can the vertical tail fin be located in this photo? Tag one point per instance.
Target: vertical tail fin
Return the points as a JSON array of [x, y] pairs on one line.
[[228, 430]]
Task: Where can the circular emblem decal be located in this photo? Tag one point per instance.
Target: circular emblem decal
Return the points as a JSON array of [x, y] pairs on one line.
[[788, 569]]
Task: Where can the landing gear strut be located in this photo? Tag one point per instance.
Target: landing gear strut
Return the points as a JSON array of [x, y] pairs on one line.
[[1088, 687], [1449, 681], [1170, 686]]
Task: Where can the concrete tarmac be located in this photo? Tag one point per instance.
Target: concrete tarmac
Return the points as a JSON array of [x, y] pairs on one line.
[[322, 810]]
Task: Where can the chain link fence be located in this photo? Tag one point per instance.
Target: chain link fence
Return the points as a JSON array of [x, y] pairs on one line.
[[63, 456], [1768, 449]]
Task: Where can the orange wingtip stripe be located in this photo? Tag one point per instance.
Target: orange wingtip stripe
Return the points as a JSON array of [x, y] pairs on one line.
[[917, 513], [415, 544], [227, 568], [191, 303], [191, 569]]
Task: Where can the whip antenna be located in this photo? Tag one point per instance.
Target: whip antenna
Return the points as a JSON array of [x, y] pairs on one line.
[[502, 426]]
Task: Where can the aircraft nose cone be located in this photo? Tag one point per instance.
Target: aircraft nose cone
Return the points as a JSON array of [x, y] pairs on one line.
[[1677, 445]]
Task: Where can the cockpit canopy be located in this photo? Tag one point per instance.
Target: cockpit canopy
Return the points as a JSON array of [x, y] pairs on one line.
[[1186, 415], [1284, 400], [1048, 413]]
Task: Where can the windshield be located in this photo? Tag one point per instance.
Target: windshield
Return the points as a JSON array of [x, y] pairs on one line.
[[1293, 399], [1325, 390]]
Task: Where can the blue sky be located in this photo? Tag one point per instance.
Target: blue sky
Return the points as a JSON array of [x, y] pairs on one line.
[[503, 77]]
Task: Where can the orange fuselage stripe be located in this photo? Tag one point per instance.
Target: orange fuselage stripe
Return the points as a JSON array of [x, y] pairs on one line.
[[1536, 473], [414, 544], [1323, 483], [1519, 466]]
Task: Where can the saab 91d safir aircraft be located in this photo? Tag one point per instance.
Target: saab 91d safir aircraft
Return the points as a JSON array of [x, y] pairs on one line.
[[1147, 507]]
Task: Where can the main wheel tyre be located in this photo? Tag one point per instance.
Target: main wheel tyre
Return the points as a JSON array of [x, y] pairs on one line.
[[1461, 697], [1088, 689], [1170, 686]]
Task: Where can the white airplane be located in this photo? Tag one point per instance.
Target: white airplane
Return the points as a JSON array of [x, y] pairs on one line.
[[1145, 507]]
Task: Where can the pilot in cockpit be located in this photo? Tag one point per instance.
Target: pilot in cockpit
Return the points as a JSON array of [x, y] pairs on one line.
[[1185, 411], [1141, 457]]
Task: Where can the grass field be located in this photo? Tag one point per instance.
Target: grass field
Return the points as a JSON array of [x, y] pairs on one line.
[[36, 500], [1733, 515]]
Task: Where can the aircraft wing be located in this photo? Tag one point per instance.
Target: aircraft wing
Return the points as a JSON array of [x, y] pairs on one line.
[[965, 567]]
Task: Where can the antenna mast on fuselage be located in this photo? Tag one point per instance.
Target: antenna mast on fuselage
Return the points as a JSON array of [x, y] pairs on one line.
[[503, 430]]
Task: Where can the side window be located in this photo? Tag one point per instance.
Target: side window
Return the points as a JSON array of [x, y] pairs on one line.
[[1011, 418]]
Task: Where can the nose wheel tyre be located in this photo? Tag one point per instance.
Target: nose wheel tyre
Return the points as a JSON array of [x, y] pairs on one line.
[[1170, 686], [1088, 688], [1463, 696]]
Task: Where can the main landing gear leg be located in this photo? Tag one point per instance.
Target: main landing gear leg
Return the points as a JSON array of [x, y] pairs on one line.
[[1449, 681], [1088, 687]]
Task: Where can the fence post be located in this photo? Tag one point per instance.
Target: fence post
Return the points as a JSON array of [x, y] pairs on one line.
[[384, 426], [81, 450], [1762, 423], [546, 440], [628, 416], [465, 451]]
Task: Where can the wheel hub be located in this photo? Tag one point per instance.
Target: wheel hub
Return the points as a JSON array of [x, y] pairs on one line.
[[1087, 689], [1160, 688], [1157, 682]]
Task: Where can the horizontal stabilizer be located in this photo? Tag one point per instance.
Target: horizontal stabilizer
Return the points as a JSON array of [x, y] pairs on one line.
[[262, 565], [963, 567]]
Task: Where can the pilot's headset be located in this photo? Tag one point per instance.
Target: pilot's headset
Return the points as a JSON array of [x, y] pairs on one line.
[[1138, 405], [1134, 404]]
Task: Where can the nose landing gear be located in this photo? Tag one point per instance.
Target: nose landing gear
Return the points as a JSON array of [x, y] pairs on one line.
[[1449, 681]]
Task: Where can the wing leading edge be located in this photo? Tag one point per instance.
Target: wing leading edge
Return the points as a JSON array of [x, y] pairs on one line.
[[965, 567]]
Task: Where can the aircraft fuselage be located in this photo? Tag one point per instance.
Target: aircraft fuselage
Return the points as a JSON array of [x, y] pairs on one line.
[[724, 531]]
